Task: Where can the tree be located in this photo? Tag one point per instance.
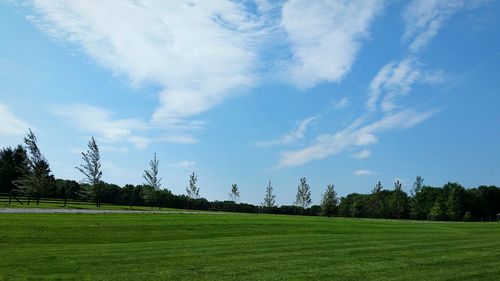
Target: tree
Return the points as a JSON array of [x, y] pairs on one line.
[[38, 178], [329, 201], [454, 202], [398, 201], [376, 201], [303, 198], [91, 169], [234, 195], [192, 190], [153, 182], [436, 212], [13, 165], [416, 204], [269, 199]]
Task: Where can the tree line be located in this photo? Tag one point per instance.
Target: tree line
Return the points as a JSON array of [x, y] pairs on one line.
[[25, 171]]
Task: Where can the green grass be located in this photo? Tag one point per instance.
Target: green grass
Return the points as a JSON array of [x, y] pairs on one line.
[[243, 247]]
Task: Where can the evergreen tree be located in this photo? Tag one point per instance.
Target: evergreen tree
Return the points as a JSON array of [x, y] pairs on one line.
[[91, 169], [13, 166], [38, 178], [303, 198], [153, 182], [234, 195], [329, 201], [192, 190], [269, 199]]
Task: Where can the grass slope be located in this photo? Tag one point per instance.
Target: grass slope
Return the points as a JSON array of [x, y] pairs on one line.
[[243, 247]]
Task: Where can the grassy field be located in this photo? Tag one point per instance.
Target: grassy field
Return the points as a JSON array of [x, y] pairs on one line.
[[243, 247]]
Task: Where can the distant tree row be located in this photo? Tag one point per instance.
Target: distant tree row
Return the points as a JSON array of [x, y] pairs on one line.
[[25, 171]]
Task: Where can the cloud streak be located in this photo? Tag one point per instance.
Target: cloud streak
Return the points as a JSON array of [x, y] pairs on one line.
[[353, 136], [103, 124], [11, 125], [295, 135]]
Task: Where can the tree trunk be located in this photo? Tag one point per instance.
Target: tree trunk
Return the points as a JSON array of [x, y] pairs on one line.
[[65, 200], [29, 199]]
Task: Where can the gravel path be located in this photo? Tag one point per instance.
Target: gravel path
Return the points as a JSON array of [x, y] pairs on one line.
[[92, 211]]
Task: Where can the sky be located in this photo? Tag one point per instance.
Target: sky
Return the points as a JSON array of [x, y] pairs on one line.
[[340, 92]]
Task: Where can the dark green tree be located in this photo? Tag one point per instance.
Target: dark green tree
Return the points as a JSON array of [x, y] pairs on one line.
[[329, 201], [376, 201], [13, 166]]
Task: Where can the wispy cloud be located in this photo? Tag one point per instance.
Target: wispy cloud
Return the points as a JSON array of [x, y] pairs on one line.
[[353, 136], [294, 135], [326, 37], [360, 173], [365, 153], [396, 79], [342, 103], [200, 52], [103, 124], [11, 125], [424, 19], [184, 164]]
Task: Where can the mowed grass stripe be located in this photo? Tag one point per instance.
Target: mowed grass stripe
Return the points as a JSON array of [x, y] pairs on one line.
[[243, 247]]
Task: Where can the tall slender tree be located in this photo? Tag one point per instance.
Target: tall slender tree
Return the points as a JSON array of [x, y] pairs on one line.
[[38, 178], [152, 181], [91, 169], [234, 195], [329, 201], [398, 201], [269, 200], [376, 200], [303, 197], [415, 203], [192, 190]]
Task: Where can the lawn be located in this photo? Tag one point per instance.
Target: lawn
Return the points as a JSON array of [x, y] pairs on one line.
[[243, 247]]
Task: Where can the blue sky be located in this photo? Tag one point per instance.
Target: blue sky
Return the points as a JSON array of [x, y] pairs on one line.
[[341, 92]]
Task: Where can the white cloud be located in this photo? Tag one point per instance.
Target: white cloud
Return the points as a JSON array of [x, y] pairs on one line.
[[296, 134], [11, 125], [200, 52], [184, 164], [121, 149], [396, 79], [325, 37], [360, 173], [342, 103], [103, 124], [353, 136], [424, 19], [365, 153]]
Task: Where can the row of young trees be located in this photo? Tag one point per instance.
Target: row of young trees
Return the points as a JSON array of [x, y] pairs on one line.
[[25, 171]]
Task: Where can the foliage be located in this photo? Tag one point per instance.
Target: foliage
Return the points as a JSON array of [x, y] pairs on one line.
[[269, 199], [13, 166], [192, 190], [329, 201], [91, 169], [153, 182], [35, 182], [303, 198], [234, 195]]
